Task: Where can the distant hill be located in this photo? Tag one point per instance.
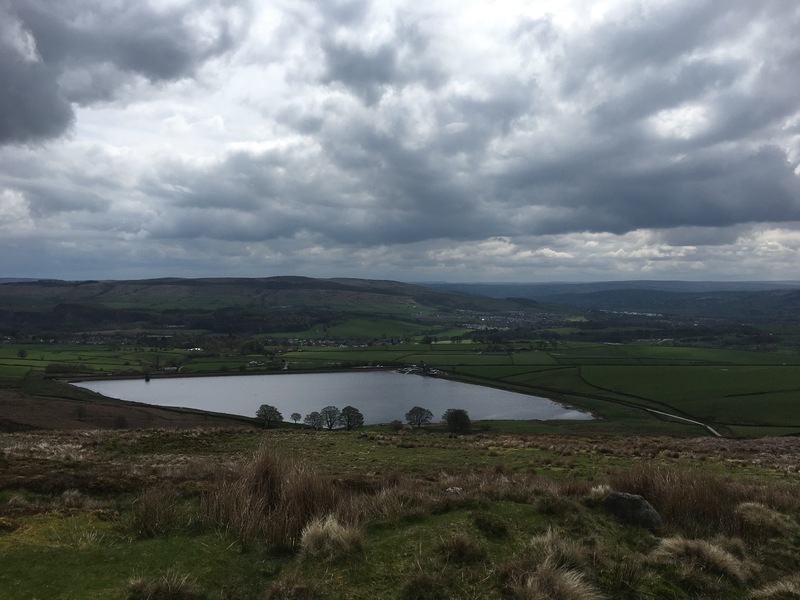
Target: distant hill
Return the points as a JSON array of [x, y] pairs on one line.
[[222, 304], [736, 300]]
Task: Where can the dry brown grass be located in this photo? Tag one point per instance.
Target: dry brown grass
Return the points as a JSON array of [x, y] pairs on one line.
[[272, 498], [157, 511], [329, 539], [786, 589], [551, 582], [702, 555], [557, 549], [758, 520]]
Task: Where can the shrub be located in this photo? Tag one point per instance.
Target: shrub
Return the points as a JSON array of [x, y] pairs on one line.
[[457, 420]]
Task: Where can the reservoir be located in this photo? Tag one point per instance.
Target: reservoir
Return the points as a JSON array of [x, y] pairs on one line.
[[381, 396]]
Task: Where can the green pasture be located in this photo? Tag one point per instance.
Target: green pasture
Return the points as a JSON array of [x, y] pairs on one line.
[[746, 395], [83, 557], [371, 328], [96, 358], [640, 354]]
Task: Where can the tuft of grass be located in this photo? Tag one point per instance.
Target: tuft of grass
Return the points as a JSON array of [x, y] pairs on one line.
[[758, 520], [701, 555], [625, 577], [552, 582], [490, 525], [327, 537], [424, 585], [171, 585], [293, 587], [557, 549], [461, 549], [786, 589]]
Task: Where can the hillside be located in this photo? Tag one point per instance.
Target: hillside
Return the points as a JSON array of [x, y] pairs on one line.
[[758, 301], [220, 305]]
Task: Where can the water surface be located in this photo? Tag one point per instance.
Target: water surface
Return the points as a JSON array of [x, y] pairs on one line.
[[381, 396]]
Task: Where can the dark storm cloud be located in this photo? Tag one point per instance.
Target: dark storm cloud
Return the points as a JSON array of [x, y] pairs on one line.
[[31, 105], [364, 72], [84, 51]]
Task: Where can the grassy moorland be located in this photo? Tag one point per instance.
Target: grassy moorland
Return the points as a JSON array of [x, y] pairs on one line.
[[243, 513]]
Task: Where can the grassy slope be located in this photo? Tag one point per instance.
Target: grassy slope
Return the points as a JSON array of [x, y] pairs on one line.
[[71, 520]]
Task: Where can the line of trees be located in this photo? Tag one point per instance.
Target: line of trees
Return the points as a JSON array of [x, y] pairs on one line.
[[456, 419]]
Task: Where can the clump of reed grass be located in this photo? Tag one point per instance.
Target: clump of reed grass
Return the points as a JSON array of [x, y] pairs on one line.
[[157, 511], [272, 498], [690, 501], [328, 538]]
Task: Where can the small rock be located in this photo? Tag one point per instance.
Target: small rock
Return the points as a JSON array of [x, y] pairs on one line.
[[632, 509]]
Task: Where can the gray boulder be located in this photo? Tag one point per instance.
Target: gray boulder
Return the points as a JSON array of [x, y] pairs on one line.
[[632, 509]]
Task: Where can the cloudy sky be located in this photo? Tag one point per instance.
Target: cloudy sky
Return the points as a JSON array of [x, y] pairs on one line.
[[420, 141]]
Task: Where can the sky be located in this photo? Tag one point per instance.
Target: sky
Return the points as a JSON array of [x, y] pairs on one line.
[[416, 141]]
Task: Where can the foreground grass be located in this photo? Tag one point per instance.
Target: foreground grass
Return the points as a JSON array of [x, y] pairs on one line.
[[228, 513]]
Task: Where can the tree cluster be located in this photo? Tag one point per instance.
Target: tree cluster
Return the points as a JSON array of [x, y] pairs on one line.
[[330, 417]]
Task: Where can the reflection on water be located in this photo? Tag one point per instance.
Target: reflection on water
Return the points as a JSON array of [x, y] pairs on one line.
[[381, 396]]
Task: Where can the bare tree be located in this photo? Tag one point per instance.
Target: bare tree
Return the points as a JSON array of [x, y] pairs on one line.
[[330, 416], [418, 416]]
